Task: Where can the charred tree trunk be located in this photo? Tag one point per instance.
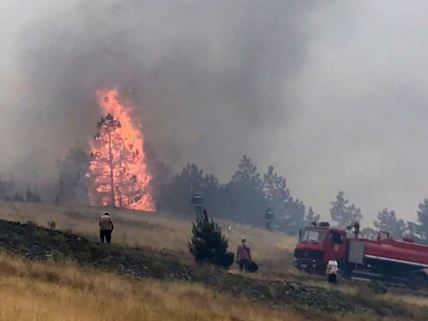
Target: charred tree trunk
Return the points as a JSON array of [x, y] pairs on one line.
[[111, 164]]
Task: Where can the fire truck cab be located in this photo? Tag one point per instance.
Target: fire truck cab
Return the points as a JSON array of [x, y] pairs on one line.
[[319, 244]]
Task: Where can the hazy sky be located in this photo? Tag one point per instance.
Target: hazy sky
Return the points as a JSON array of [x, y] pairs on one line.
[[332, 93]]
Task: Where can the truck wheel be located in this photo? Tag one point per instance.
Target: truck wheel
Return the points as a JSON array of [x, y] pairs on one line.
[[418, 281], [309, 269], [347, 272]]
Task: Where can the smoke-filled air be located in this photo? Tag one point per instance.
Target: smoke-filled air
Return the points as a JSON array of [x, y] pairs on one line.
[[330, 93]]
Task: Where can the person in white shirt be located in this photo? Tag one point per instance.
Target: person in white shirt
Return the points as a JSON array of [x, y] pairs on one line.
[[331, 271]]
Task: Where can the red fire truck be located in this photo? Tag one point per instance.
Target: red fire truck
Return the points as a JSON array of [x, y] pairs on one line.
[[383, 259]]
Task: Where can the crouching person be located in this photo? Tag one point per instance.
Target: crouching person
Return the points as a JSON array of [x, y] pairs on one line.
[[331, 271], [106, 228]]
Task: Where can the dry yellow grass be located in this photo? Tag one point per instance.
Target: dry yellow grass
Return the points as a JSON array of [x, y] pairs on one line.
[[394, 297], [159, 231], [407, 299], [64, 291], [53, 291]]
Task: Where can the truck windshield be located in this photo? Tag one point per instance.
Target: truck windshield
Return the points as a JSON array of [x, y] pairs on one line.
[[312, 235]]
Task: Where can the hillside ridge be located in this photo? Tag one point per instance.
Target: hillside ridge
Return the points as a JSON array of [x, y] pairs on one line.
[[35, 242]]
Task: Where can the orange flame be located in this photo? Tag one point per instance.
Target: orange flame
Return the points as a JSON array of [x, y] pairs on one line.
[[118, 173]]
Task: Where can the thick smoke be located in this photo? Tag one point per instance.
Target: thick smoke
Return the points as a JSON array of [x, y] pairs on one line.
[[333, 93], [206, 76]]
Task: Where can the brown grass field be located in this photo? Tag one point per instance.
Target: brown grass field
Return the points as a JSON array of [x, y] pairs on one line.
[[52, 291], [48, 291], [159, 231]]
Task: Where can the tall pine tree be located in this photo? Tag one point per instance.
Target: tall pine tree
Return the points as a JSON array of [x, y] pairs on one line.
[[343, 213], [276, 191], [244, 195], [176, 194], [423, 218], [388, 221]]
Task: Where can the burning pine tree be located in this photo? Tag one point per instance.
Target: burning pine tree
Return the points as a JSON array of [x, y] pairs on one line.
[[117, 172]]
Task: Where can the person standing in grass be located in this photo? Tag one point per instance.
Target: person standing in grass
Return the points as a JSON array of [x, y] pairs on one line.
[[268, 219], [243, 255], [331, 271], [106, 228], [198, 204]]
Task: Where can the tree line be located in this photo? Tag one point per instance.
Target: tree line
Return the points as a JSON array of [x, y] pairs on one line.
[[344, 214], [9, 193], [244, 198]]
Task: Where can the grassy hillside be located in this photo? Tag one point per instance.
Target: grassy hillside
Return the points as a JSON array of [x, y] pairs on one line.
[[66, 292], [158, 231], [63, 290], [79, 279]]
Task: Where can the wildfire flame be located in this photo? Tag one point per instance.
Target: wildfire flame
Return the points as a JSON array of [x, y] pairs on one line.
[[117, 172]]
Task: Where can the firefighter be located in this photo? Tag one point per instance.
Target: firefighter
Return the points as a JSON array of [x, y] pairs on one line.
[[106, 228], [268, 218], [331, 271], [198, 204]]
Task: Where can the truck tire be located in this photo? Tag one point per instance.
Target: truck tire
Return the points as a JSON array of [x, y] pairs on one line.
[[347, 271], [417, 280]]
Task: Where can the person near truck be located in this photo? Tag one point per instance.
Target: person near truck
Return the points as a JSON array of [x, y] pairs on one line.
[[106, 228], [243, 255], [332, 269]]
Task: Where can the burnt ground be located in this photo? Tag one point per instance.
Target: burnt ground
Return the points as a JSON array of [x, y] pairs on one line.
[[34, 242]]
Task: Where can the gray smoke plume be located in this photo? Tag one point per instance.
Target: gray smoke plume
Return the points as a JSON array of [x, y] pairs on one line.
[[205, 76], [331, 92]]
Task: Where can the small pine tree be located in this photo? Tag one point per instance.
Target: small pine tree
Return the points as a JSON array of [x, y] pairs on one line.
[[344, 213], [18, 198], [31, 197], [208, 244], [311, 217]]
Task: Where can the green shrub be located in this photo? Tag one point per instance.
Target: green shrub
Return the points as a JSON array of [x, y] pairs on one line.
[[208, 244]]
